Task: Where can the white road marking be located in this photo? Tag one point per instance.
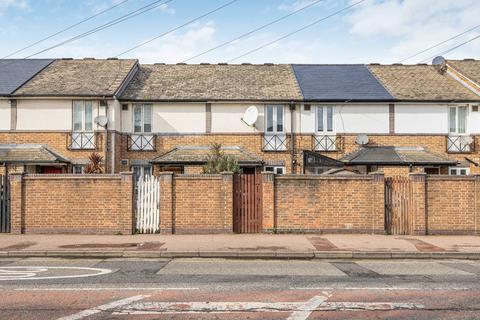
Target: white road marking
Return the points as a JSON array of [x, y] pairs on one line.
[[308, 307], [99, 289], [31, 272], [109, 306], [382, 288]]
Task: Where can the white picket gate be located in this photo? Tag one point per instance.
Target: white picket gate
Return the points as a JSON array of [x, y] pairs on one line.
[[148, 205]]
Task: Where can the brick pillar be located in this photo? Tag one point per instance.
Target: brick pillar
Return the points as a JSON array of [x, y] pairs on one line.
[[16, 203], [419, 200], [378, 202], [167, 224], [477, 204], [127, 203], [227, 188], [268, 202]]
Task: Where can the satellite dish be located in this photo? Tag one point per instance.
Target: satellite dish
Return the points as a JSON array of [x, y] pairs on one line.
[[362, 139], [250, 116], [101, 121], [440, 64]]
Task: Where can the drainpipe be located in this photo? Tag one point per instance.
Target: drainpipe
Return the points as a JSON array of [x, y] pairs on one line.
[[292, 137]]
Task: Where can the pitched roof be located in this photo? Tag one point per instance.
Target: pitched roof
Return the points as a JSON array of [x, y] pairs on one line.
[[86, 77], [421, 83], [204, 82], [200, 154], [15, 72], [468, 67], [29, 153], [339, 83], [389, 155]]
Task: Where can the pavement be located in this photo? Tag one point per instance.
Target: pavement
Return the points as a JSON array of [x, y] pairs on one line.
[[265, 246], [206, 288]]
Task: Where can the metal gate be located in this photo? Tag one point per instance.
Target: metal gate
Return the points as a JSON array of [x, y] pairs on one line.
[[147, 215], [4, 204], [247, 203], [398, 206]]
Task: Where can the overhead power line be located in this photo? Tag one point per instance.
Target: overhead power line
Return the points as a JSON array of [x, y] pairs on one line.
[[440, 43], [451, 49], [297, 30], [64, 30], [176, 28], [253, 31], [113, 22]]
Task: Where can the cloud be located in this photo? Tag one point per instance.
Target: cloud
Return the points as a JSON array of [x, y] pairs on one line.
[[295, 5], [166, 9], [411, 25], [15, 4]]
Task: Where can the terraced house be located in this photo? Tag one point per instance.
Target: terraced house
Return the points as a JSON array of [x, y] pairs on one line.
[[313, 119]]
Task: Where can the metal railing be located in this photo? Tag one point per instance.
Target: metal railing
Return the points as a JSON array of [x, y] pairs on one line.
[[460, 144], [326, 143], [82, 141], [275, 142], [141, 142]]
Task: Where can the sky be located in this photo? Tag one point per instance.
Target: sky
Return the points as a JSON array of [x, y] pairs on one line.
[[374, 31]]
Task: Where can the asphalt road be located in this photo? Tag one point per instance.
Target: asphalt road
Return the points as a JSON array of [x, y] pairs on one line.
[[238, 289]]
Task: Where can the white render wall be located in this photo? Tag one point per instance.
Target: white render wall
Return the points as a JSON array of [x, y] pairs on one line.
[[44, 114], [350, 118], [4, 114], [421, 118]]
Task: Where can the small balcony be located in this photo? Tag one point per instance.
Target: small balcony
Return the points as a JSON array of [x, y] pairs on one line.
[[460, 144], [141, 142], [82, 141], [275, 142], [326, 143]]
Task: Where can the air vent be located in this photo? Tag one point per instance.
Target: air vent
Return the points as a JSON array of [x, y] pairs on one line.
[[307, 107], [112, 58], [103, 103], [124, 162], [125, 107], [475, 108]]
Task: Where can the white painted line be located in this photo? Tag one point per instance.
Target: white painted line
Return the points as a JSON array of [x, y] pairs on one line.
[[384, 288], [109, 306], [308, 307], [31, 272], [98, 289]]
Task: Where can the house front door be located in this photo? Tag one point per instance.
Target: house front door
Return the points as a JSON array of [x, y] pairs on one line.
[[51, 170]]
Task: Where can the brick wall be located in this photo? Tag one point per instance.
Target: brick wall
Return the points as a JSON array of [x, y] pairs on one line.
[[196, 203], [353, 204], [87, 204]]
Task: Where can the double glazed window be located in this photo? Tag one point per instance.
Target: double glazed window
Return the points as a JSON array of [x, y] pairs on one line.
[[82, 116], [324, 119], [142, 118], [457, 120], [274, 119], [458, 171], [139, 172]]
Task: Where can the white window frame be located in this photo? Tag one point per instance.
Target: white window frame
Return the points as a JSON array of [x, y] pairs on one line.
[[84, 116], [275, 169], [457, 120], [142, 117], [324, 109], [275, 108], [458, 170], [78, 166], [142, 170]]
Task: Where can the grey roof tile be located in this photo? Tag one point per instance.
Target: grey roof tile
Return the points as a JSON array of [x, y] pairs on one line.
[[29, 153]]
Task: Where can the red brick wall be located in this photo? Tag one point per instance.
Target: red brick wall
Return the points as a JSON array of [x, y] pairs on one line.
[[96, 204], [326, 204]]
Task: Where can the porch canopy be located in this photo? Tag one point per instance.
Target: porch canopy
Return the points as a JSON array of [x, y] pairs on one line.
[[397, 156], [198, 155], [30, 154]]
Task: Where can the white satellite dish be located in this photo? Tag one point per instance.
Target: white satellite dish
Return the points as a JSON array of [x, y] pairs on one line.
[[362, 139], [250, 116], [101, 121]]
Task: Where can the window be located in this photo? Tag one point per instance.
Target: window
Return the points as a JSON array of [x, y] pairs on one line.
[[142, 118], [275, 169], [83, 116], [458, 171], [141, 171], [78, 169], [457, 120], [274, 122], [324, 119]]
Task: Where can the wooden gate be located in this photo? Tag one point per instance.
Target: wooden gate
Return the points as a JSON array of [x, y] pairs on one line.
[[398, 206], [4, 204], [148, 205], [247, 203]]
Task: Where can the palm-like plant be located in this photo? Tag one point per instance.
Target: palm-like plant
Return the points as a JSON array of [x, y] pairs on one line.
[[218, 161], [95, 164]]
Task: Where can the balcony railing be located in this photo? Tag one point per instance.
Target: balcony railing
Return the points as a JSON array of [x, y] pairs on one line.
[[141, 142], [326, 143], [460, 144], [275, 142], [82, 141]]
